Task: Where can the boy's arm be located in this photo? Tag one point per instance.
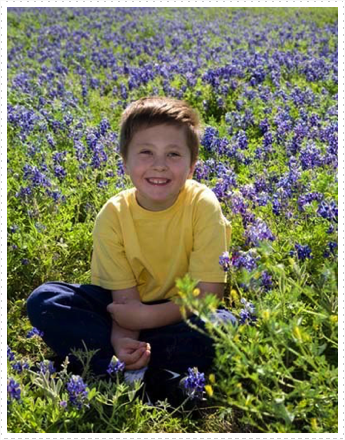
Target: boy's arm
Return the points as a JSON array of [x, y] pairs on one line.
[[125, 342], [141, 316]]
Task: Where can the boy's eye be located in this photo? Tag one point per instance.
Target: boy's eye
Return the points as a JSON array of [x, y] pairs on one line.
[[174, 154], [145, 152]]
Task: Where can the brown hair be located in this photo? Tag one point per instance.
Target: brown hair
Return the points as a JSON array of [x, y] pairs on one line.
[[155, 110]]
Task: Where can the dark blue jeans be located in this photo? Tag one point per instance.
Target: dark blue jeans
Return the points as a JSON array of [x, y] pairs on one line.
[[71, 313]]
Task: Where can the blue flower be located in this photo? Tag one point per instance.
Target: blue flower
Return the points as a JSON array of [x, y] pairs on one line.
[[77, 391], [247, 314], [303, 252], [34, 332], [10, 354], [244, 260], [266, 280], [115, 366], [13, 390], [47, 366], [259, 231], [224, 261], [20, 366], [194, 383], [328, 210]]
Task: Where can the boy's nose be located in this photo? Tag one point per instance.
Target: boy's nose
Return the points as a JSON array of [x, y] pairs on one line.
[[160, 164]]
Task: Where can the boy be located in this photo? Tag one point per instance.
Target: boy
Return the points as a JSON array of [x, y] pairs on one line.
[[145, 238]]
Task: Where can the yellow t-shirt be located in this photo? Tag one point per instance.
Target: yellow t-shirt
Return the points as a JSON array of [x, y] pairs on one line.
[[150, 249]]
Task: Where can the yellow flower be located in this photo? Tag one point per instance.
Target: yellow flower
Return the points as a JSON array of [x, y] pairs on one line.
[[196, 292], [333, 318], [234, 295], [212, 378], [297, 333], [209, 390], [266, 315], [313, 423]]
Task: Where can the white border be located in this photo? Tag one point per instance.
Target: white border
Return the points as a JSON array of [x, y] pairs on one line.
[[137, 3]]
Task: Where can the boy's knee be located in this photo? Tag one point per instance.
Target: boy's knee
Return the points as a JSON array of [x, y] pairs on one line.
[[37, 302]]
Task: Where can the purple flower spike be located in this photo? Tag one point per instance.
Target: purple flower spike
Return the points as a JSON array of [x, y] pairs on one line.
[[194, 383], [13, 390], [34, 332], [224, 261], [77, 391], [115, 366]]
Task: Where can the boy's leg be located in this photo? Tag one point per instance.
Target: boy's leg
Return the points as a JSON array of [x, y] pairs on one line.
[[71, 313], [174, 349]]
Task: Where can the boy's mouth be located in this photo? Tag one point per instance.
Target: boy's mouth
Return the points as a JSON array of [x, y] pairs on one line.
[[158, 182]]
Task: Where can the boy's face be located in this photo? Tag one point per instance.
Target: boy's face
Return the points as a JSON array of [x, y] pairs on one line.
[[158, 163]]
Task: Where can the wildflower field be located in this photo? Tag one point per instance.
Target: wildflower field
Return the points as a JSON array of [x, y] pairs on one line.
[[264, 81]]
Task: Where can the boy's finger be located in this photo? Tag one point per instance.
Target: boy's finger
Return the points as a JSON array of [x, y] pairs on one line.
[[134, 357], [142, 362]]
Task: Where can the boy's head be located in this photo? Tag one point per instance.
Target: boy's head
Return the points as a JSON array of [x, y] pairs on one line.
[[159, 143], [156, 110]]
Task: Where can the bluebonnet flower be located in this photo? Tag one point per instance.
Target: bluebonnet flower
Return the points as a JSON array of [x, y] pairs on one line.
[[25, 262], [310, 157], [14, 228], [266, 280], [258, 232], [328, 210], [261, 184], [209, 138], [262, 199], [264, 125], [248, 191], [238, 204], [10, 354], [303, 252], [331, 229], [224, 261], [34, 331], [308, 198], [77, 391], [242, 140], [102, 184], [50, 140], [13, 390], [332, 246], [47, 366], [244, 260], [55, 195], [59, 157], [247, 314], [115, 366], [194, 383], [79, 150], [99, 157], [276, 205], [60, 172], [20, 366], [37, 178], [104, 126], [63, 403]]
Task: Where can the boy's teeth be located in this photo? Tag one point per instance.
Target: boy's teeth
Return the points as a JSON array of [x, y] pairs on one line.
[[157, 181]]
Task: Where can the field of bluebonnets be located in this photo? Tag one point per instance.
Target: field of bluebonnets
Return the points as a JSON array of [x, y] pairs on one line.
[[265, 84]]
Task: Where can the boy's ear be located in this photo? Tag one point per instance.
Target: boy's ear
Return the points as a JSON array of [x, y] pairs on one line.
[[192, 168]]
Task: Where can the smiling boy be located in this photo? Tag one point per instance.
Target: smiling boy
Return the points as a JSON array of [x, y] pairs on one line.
[[145, 238]]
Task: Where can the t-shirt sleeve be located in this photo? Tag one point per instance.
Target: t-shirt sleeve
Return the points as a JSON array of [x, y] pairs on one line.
[[110, 268], [211, 237]]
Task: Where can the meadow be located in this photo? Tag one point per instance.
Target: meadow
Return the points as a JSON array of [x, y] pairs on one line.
[[265, 83]]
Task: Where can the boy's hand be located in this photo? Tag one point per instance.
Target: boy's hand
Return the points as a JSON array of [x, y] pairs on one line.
[[132, 315], [135, 354]]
